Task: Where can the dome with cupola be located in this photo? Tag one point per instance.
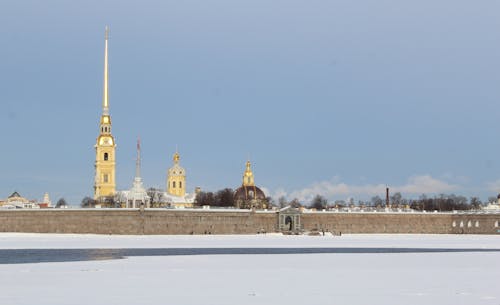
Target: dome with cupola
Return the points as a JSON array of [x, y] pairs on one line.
[[248, 195]]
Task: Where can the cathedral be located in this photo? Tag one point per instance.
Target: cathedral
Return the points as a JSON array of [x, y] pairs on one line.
[[247, 196], [105, 166]]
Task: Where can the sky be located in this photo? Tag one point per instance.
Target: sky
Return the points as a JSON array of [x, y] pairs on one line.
[[337, 98]]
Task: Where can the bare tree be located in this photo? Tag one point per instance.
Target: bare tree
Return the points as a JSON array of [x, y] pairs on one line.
[[319, 202], [376, 201], [61, 203], [295, 203], [396, 199], [282, 202], [88, 202], [475, 203], [224, 198]]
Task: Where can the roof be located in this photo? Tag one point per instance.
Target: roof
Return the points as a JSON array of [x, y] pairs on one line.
[[248, 193], [15, 194]]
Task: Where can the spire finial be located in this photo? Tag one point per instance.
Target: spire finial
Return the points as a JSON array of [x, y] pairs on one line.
[[176, 156], [105, 98]]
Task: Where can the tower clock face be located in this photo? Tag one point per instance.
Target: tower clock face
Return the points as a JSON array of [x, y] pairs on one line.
[[106, 141]]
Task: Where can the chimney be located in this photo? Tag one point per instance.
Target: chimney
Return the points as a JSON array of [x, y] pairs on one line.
[[387, 203]]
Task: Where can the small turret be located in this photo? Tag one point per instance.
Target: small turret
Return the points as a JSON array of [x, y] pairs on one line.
[[248, 179]]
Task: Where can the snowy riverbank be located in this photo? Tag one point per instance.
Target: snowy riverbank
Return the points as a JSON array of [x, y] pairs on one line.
[[72, 241], [390, 278]]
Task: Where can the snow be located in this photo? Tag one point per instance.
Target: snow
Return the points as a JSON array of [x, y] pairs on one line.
[[392, 278]]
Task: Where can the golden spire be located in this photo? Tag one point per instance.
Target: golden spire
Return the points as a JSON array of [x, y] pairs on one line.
[[105, 98], [248, 179]]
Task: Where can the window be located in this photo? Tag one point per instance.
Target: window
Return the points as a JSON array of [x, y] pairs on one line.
[[105, 156], [496, 224], [454, 224], [477, 224], [461, 224], [469, 224], [173, 184], [180, 184], [105, 178]]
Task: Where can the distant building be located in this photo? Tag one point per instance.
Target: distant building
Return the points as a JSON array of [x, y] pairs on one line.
[[175, 195], [137, 195], [248, 195], [493, 206], [46, 203], [16, 201]]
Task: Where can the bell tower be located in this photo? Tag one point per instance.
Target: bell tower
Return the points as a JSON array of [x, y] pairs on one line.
[[176, 178], [104, 184]]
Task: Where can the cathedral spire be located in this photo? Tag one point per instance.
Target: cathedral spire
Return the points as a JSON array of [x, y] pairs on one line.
[[138, 161], [105, 98], [104, 184]]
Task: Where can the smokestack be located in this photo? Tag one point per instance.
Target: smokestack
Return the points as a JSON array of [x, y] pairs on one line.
[[387, 197]]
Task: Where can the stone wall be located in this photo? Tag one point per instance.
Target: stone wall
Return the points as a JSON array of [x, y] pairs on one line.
[[432, 223], [128, 221], [121, 221]]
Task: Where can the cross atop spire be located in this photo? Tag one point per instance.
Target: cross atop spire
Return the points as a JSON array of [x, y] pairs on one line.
[[105, 98]]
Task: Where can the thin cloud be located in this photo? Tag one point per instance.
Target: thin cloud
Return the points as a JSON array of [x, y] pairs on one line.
[[494, 186], [424, 184]]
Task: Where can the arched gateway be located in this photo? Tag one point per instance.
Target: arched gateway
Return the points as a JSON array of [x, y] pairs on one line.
[[289, 220]]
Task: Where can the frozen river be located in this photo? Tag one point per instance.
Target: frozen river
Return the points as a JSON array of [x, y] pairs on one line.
[[26, 256], [260, 269]]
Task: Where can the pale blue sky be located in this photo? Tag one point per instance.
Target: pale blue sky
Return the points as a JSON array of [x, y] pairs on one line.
[[331, 97]]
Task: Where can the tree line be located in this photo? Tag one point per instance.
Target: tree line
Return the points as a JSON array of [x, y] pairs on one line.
[[220, 198], [225, 198], [442, 202]]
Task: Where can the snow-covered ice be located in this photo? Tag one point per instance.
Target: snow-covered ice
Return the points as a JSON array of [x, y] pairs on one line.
[[391, 278]]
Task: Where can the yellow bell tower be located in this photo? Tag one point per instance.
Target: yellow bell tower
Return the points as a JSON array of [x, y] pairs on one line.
[[104, 185], [176, 179], [248, 179]]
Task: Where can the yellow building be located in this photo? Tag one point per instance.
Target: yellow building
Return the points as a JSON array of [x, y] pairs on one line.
[[176, 179], [104, 185]]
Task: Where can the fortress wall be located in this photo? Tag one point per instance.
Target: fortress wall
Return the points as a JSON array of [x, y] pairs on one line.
[[117, 221], [423, 223], [208, 222], [377, 223]]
